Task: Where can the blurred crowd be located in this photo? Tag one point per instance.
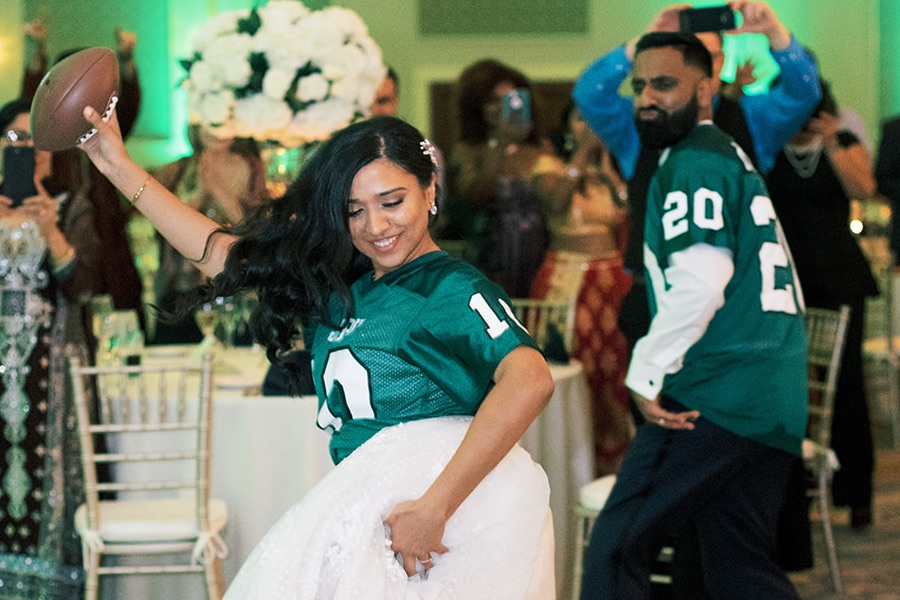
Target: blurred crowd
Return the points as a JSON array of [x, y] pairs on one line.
[[549, 211]]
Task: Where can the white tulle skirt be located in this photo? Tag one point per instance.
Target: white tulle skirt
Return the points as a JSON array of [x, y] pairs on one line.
[[333, 545]]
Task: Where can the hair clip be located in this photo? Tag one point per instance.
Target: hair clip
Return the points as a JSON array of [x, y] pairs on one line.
[[429, 149]]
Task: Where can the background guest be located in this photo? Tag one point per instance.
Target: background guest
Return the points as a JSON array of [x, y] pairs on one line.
[[586, 218], [118, 275], [387, 96], [40, 553], [494, 188], [811, 185], [222, 178], [887, 174]]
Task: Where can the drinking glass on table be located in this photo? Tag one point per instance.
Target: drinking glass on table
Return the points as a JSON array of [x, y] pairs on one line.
[[101, 326], [229, 310], [129, 339], [207, 318]]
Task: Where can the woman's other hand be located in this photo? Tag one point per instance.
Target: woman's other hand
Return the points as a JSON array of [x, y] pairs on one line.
[[416, 532]]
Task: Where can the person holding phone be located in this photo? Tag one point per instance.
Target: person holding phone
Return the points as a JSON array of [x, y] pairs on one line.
[[762, 124], [119, 275], [495, 175], [40, 554]]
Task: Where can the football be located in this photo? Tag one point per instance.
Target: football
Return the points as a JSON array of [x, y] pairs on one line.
[[88, 77]]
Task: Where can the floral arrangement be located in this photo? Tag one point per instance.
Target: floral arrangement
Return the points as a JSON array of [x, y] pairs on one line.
[[281, 72]]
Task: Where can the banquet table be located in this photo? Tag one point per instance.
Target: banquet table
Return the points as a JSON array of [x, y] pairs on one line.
[[267, 453]]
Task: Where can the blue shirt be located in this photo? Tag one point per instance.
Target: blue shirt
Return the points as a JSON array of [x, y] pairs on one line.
[[772, 118]]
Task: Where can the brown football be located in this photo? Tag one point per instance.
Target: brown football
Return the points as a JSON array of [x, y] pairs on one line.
[[88, 77]]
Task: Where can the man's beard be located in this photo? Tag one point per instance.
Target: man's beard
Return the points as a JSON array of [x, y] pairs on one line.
[[668, 128]]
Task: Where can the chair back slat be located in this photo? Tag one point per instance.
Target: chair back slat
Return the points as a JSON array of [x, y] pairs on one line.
[[150, 430], [826, 332]]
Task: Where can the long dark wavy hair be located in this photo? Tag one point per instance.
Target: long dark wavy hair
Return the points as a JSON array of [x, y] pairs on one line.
[[298, 254]]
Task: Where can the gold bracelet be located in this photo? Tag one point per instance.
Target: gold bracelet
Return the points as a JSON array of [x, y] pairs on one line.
[[140, 191]]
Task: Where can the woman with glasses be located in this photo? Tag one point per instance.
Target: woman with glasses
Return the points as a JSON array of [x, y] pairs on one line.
[[40, 553]]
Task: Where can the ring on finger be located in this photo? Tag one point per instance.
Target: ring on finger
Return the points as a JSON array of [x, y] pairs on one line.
[[662, 421], [425, 561]]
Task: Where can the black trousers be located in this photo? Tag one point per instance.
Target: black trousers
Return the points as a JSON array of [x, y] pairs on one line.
[[730, 487]]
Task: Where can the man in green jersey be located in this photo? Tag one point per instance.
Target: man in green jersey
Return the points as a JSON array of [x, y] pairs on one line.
[[721, 374]]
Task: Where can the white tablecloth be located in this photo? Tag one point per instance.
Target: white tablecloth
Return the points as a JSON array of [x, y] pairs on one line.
[[268, 452], [562, 440]]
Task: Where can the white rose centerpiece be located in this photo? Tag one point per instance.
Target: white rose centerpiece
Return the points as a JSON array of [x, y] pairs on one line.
[[282, 73]]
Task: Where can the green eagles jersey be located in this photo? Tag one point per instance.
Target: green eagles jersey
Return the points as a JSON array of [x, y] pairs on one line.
[[424, 342], [747, 373]]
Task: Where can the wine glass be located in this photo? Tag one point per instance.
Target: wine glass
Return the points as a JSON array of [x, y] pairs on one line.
[[207, 319], [101, 306], [229, 313], [130, 338]]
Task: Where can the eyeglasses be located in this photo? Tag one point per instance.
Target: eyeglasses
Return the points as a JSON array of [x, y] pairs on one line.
[[17, 136]]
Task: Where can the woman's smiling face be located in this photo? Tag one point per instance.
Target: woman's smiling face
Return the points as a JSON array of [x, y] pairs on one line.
[[388, 215]]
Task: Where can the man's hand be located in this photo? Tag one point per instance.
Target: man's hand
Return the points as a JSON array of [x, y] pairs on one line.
[[743, 77], [125, 43], [760, 18], [35, 30], [654, 413], [665, 20]]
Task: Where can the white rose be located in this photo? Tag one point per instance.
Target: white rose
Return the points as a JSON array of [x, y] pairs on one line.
[[276, 83], [346, 61], [215, 27], [227, 57], [311, 88], [320, 120], [202, 78], [283, 49], [321, 34], [278, 12], [215, 107], [261, 117], [346, 20]]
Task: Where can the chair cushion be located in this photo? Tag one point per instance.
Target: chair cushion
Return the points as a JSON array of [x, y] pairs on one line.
[[594, 494], [158, 520]]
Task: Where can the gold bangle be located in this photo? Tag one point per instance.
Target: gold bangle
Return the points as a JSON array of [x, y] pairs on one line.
[[140, 191]]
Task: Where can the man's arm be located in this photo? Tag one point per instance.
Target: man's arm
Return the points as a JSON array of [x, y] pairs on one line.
[[36, 58], [597, 96], [687, 294], [609, 114], [773, 118]]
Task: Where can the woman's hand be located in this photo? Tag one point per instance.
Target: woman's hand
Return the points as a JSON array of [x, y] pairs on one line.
[[106, 148], [6, 210], [43, 210], [416, 533]]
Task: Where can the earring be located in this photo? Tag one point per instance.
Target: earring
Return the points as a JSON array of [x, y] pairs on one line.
[[433, 209]]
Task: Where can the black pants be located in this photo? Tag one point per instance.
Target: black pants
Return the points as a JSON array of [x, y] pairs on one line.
[[730, 486]]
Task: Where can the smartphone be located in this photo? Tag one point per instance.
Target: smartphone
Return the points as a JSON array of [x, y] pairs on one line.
[[713, 18], [18, 174], [515, 107]]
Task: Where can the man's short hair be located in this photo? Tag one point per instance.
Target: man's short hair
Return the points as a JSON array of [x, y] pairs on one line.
[[689, 45], [392, 75]]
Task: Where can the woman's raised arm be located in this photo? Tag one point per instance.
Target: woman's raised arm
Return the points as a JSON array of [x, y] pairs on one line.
[[186, 229]]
